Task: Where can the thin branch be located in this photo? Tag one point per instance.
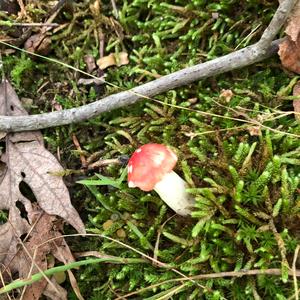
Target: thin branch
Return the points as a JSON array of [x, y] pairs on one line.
[[241, 58], [235, 60]]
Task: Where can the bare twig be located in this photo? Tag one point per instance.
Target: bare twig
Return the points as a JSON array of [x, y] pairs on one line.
[[238, 59], [241, 58]]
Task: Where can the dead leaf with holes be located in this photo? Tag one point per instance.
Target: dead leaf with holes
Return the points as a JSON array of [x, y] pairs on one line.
[[289, 49], [25, 161], [38, 252]]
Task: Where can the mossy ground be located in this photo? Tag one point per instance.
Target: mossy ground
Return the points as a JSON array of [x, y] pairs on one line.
[[246, 186]]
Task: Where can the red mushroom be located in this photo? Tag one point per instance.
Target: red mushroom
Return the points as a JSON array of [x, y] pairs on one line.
[[150, 168]]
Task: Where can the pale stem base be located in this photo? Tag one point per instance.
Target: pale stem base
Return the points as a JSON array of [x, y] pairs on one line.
[[172, 190]]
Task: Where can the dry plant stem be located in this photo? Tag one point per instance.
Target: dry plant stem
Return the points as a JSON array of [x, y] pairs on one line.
[[280, 242], [35, 24], [104, 162], [271, 272], [235, 60], [241, 58]]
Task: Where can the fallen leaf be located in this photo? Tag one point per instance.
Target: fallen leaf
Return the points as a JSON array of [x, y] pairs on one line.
[[28, 161], [289, 49], [106, 61], [57, 106], [43, 242], [293, 25], [113, 59], [296, 103], [289, 53], [25, 161], [38, 43]]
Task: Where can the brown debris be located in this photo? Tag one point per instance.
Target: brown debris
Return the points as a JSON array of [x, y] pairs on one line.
[[43, 242], [293, 27], [90, 63], [289, 49], [26, 161], [289, 52], [38, 43], [227, 95], [113, 59]]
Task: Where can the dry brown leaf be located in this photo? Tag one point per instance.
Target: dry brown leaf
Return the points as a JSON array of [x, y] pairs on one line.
[[38, 43], [289, 49], [25, 161], [28, 161], [289, 53], [43, 242], [296, 103], [293, 26], [113, 59]]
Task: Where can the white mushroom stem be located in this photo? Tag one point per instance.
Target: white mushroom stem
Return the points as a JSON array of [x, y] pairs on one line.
[[172, 190]]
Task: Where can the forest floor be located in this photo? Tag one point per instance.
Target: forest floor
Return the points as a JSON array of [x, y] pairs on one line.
[[244, 177]]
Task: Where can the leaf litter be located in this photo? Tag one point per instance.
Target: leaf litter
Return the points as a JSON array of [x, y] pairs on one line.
[[32, 220], [289, 49]]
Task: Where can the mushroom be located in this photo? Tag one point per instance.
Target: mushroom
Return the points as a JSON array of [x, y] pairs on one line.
[[150, 168]]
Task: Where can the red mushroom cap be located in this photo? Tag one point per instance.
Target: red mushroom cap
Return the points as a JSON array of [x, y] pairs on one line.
[[149, 164]]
